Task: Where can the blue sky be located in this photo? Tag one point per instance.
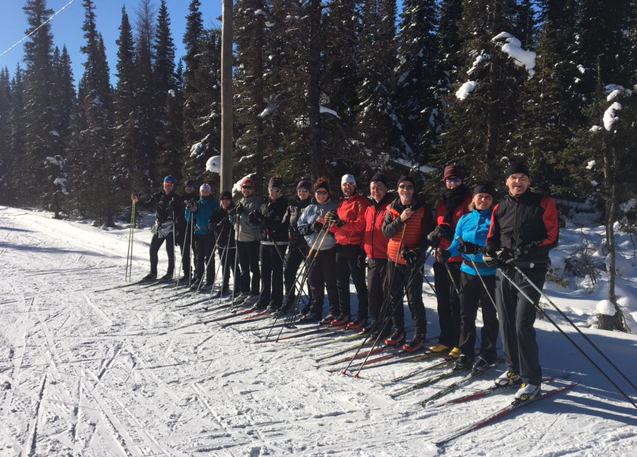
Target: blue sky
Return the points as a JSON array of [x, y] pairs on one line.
[[67, 27]]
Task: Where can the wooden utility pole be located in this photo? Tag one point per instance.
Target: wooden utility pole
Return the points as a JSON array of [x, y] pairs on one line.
[[226, 96]]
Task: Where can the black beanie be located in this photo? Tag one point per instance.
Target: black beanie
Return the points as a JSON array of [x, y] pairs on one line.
[[275, 181], [515, 168], [226, 194], [305, 184], [379, 177], [190, 183], [407, 178], [484, 188]]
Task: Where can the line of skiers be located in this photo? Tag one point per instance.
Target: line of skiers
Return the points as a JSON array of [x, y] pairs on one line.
[[477, 245]]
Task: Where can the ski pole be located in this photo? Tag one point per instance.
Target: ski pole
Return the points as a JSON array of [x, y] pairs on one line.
[[129, 255], [541, 311], [473, 262], [574, 326], [453, 281], [183, 247], [212, 253]]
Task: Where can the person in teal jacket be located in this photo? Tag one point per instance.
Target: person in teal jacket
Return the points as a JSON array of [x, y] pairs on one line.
[[469, 239], [204, 237]]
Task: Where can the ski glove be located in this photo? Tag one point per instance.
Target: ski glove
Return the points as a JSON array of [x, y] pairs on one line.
[[466, 247], [444, 255], [412, 256], [317, 226], [239, 209], [437, 234]]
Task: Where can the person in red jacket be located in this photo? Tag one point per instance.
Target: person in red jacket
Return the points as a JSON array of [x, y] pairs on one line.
[[450, 208], [348, 230], [524, 228], [375, 244]]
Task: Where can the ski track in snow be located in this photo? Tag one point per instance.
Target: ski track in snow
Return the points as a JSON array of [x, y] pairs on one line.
[[137, 372]]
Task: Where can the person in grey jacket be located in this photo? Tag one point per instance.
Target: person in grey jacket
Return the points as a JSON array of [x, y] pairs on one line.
[[322, 273], [247, 237]]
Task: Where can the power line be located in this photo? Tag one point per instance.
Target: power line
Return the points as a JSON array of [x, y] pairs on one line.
[[38, 27]]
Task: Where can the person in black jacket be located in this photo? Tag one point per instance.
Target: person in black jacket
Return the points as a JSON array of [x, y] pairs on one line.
[[166, 205], [224, 234], [297, 248], [273, 234], [524, 228], [185, 229]]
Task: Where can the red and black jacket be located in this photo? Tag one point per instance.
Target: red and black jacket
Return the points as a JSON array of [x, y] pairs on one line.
[[526, 225], [374, 241], [415, 228]]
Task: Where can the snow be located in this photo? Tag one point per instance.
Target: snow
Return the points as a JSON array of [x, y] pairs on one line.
[[513, 48], [610, 116], [606, 307], [590, 164], [213, 164], [137, 371], [325, 110], [271, 108], [466, 89]]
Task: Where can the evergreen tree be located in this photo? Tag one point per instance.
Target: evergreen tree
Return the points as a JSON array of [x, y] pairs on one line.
[[18, 134], [418, 76], [40, 139], [486, 109], [5, 136]]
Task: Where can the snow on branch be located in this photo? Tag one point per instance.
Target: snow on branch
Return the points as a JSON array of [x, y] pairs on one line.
[[610, 116], [513, 47], [466, 89]]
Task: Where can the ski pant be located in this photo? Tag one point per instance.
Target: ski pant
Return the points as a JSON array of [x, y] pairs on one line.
[[204, 245], [186, 245], [405, 280], [448, 303], [322, 275], [376, 287], [155, 244], [227, 262], [517, 316], [295, 255], [249, 261], [472, 296], [350, 260], [272, 274]]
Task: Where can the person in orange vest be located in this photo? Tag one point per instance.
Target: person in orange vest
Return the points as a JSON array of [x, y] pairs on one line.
[[407, 223], [454, 204], [348, 230]]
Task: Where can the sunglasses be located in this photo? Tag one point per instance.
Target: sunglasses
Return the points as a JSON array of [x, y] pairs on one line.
[[402, 186], [453, 179], [274, 190], [247, 187], [321, 192], [302, 190]]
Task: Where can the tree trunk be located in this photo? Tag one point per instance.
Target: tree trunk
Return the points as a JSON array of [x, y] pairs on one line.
[[314, 96]]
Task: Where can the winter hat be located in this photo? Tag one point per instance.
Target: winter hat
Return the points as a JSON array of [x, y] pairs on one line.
[[205, 187], [348, 178], [515, 168], [408, 179], [322, 183], [453, 170], [379, 177], [275, 182], [170, 179], [484, 188], [247, 182], [305, 184], [226, 195], [190, 183]]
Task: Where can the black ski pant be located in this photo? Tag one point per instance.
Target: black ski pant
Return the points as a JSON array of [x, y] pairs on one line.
[[404, 280], [350, 260], [377, 287], [448, 303], [322, 275], [155, 244], [295, 255], [272, 274], [186, 246], [473, 296], [517, 316], [227, 262], [249, 261], [204, 244]]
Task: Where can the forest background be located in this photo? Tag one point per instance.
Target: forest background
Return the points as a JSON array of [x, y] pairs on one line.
[[324, 88]]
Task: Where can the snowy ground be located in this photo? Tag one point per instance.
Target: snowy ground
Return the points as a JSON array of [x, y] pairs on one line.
[[134, 372]]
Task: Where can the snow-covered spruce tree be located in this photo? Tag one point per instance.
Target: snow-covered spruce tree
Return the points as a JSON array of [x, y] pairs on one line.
[[378, 126], [5, 136], [418, 76], [18, 132], [486, 105], [169, 99], [552, 111], [40, 141], [249, 99], [92, 158], [129, 165], [341, 80], [202, 94]]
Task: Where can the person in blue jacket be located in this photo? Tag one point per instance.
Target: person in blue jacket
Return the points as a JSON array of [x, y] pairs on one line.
[[204, 237], [470, 239]]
